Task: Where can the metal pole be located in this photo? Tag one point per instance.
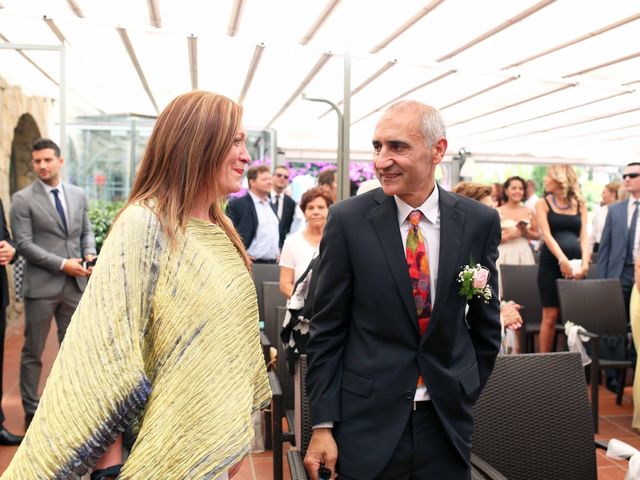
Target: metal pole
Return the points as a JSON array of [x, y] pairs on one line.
[[63, 100], [340, 158], [344, 183]]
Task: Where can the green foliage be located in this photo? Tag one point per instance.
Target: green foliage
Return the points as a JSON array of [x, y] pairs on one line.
[[101, 215]]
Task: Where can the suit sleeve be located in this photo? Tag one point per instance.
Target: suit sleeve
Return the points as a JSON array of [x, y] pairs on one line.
[[484, 318], [329, 325], [88, 240], [605, 248], [233, 213], [21, 223], [6, 236]]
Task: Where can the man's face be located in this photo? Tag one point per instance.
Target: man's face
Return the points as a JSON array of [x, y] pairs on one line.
[[47, 165], [262, 184], [632, 185], [404, 164], [280, 179]]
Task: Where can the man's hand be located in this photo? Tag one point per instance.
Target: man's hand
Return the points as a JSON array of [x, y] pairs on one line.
[[6, 252], [89, 258], [322, 450], [73, 268]]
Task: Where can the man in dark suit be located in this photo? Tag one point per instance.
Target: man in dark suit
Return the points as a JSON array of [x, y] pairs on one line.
[[52, 232], [283, 204], [620, 235], [7, 254], [254, 217], [395, 363]]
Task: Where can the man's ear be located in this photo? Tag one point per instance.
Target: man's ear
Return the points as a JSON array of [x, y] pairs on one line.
[[439, 148]]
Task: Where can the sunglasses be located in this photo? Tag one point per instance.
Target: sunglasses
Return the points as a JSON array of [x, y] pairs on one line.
[[630, 175], [286, 177]]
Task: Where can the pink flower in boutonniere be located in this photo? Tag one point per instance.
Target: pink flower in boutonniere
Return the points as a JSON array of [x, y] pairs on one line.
[[480, 278], [473, 282]]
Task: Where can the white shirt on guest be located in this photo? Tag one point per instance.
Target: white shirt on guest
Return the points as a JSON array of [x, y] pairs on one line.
[[266, 243], [429, 226], [297, 254], [598, 225]]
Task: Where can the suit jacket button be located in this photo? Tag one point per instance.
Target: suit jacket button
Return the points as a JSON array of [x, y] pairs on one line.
[[409, 395]]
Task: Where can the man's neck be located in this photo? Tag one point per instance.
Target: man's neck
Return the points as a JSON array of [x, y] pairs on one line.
[[260, 195], [54, 183], [636, 195], [278, 190]]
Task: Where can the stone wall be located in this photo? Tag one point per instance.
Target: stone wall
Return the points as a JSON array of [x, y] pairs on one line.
[[22, 118]]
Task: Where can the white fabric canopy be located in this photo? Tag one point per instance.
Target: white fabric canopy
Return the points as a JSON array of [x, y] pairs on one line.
[[517, 79]]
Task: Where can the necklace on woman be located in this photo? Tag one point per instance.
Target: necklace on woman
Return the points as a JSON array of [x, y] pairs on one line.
[[553, 199]]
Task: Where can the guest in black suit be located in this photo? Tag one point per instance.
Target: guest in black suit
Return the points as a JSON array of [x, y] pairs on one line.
[[7, 254], [254, 217], [283, 204], [387, 314]]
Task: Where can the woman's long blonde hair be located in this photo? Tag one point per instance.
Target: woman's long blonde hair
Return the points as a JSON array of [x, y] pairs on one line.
[[183, 159], [566, 177]]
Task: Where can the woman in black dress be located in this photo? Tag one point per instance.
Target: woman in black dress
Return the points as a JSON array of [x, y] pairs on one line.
[[562, 218]]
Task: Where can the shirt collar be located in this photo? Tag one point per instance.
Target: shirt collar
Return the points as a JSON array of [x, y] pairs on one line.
[[430, 208], [257, 199], [48, 188]]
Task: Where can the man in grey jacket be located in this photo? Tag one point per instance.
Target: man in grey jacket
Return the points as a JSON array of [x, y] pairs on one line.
[[52, 232]]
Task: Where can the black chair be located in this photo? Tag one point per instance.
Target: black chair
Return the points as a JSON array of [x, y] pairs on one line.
[[282, 403], [598, 306], [264, 272], [532, 420], [272, 298], [520, 284]]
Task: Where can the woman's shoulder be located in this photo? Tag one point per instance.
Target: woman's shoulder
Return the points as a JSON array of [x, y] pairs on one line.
[[137, 220]]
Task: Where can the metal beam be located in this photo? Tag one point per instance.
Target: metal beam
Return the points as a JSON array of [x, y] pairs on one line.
[[253, 66], [582, 38], [75, 8], [379, 72], [344, 184], [406, 25], [192, 46], [154, 13], [323, 17], [480, 92], [234, 20], [515, 104], [136, 64], [504, 25], [408, 92], [603, 65], [324, 58], [54, 28], [19, 48]]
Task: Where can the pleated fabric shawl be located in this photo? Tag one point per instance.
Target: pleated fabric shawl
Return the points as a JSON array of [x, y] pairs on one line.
[[164, 342]]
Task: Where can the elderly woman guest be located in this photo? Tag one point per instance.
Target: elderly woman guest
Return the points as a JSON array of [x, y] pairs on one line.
[[165, 340], [562, 217], [300, 248], [609, 196]]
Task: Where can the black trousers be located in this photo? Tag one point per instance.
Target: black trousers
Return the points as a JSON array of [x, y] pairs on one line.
[[3, 327], [424, 452]]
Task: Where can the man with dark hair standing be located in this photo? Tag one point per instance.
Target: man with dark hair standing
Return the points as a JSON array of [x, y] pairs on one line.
[[395, 362], [53, 233], [620, 236], [283, 204], [254, 217]]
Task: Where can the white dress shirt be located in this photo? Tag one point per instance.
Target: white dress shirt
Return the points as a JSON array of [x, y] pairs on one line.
[[280, 197], [266, 243], [48, 188], [630, 208], [429, 226]]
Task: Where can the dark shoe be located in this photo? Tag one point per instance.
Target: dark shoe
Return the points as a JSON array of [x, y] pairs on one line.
[[8, 438], [613, 385], [27, 420]]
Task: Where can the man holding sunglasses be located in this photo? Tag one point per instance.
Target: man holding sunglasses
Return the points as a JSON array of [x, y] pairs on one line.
[[621, 235], [283, 204]]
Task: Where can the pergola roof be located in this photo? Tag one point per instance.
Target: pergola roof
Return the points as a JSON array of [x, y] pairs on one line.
[[553, 78]]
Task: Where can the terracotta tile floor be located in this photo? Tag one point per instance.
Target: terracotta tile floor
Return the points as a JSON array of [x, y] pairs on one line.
[[615, 421]]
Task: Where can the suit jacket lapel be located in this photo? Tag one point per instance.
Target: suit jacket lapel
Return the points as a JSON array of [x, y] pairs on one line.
[[47, 204], [385, 222], [70, 205], [449, 261]]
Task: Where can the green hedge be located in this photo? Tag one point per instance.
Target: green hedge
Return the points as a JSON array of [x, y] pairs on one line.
[[101, 215]]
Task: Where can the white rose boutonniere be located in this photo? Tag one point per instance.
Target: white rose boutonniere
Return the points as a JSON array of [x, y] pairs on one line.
[[473, 281]]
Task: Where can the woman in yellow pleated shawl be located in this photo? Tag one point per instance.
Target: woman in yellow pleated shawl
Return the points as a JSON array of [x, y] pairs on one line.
[[164, 343]]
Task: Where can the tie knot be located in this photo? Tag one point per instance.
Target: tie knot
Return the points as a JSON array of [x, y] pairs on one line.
[[414, 217], [55, 191]]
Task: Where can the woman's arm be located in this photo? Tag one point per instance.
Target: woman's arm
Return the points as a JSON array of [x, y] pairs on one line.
[[541, 216], [585, 247], [286, 281], [532, 232]]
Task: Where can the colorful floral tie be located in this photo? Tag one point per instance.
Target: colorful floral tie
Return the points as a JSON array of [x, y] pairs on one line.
[[418, 262]]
